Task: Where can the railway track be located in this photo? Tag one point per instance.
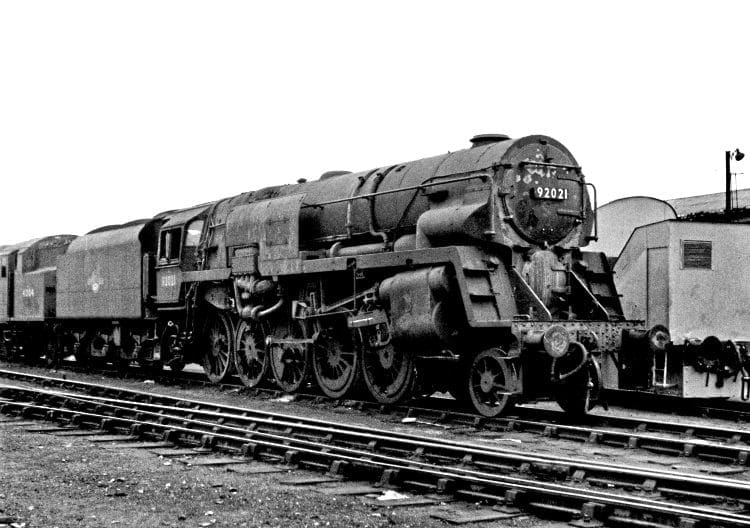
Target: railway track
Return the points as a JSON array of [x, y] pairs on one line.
[[722, 445], [663, 403], [716, 409], [548, 485]]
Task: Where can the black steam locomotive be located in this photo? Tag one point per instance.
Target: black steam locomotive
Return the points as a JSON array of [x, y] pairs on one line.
[[461, 272]]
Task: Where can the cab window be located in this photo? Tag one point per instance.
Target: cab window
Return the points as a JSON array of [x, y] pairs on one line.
[[193, 235], [192, 239], [169, 246]]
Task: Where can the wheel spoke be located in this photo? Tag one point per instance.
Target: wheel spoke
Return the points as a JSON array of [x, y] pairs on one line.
[[289, 365], [217, 359], [251, 359], [335, 365], [388, 374], [488, 382]]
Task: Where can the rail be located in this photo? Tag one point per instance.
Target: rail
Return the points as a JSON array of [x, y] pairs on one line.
[[424, 464]]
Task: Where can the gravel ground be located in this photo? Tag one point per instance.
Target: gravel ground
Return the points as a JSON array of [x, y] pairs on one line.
[[55, 481], [66, 482]]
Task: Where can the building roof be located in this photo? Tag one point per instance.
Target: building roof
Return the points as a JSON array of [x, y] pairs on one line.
[[617, 219], [711, 204]]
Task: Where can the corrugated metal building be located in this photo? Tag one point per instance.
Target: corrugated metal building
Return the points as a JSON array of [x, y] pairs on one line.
[[711, 207]]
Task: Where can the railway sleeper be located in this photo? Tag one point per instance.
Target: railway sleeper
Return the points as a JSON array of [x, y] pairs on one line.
[[590, 514], [663, 450], [322, 467], [514, 500], [249, 450], [446, 486], [420, 485], [475, 495], [390, 478], [734, 439], [598, 482], [555, 511], [549, 471], [723, 459], [443, 460], [574, 436], [550, 431], [359, 470], [366, 470], [624, 518], [512, 425], [339, 468], [614, 443], [208, 441], [497, 468], [695, 496], [270, 457]]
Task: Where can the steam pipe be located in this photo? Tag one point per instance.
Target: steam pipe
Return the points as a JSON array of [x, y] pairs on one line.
[[259, 313]]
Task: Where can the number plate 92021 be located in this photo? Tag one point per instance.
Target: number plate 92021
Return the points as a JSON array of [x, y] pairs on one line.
[[549, 193]]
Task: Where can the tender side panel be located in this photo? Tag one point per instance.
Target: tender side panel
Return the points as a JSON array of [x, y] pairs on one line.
[[100, 276], [34, 289], [34, 297]]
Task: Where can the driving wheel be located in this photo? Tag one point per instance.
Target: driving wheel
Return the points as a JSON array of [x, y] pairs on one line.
[[290, 360], [251, 358], [388, 373], [218, 346], [290, 365], [336, 362]]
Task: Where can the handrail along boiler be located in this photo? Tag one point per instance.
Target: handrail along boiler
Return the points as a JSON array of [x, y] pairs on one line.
[[461, 272]]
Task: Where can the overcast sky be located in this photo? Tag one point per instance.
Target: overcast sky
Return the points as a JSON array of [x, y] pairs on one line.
[[111, 111]]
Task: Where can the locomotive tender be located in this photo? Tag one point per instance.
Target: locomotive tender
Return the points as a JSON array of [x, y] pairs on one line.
[[461, 272]]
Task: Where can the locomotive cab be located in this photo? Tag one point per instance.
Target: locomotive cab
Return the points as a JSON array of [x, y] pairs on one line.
[[177, 252]]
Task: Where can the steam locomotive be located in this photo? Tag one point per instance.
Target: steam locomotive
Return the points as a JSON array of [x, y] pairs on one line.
[[461, 272]]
